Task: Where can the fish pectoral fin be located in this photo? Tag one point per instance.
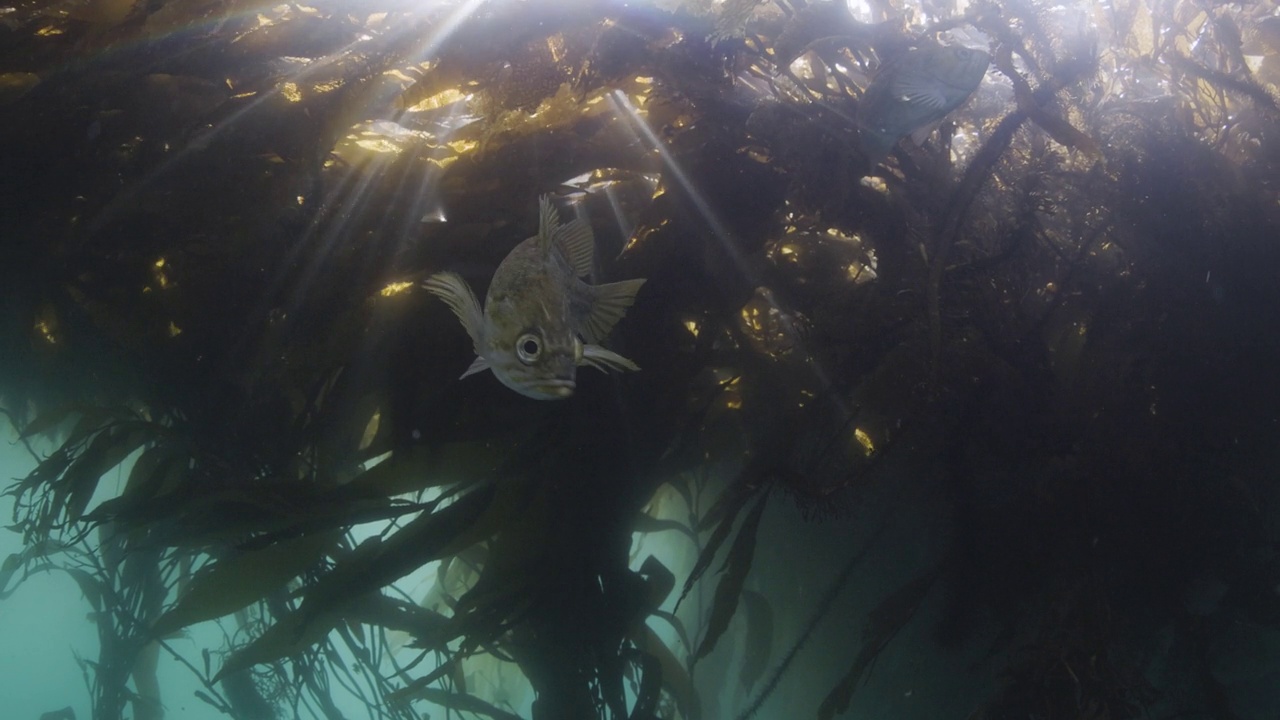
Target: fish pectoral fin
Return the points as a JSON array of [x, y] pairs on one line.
[[605, 360], [922, 95], [476, 366], [454, 291], [578, 246], [609, 303]]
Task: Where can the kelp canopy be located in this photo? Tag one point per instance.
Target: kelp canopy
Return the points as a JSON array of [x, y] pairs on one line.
[[1057, 317]]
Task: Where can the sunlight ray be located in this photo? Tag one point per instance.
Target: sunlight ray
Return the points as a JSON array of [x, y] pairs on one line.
[[624, 227], [202, 140], [447, 27], [624, 106]]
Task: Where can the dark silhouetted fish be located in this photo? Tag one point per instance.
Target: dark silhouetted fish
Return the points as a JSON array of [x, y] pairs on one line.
[[914, 90]]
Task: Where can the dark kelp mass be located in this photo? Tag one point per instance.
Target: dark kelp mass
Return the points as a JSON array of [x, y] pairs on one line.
[[1049, 328]]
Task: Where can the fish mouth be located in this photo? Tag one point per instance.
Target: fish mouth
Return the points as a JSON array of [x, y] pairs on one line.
[[557, 387]]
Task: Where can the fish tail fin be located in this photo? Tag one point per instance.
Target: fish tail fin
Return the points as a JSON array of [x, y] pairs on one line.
[[609, 303]]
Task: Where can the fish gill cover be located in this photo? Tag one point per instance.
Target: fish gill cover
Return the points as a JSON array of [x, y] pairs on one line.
[[1056, 303]]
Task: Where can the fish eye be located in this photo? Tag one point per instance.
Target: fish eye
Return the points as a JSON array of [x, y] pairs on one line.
[[963, 53], [528, 347]]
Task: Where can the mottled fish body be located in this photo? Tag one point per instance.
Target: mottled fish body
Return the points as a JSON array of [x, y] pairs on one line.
[[541, 320], [915, 90]]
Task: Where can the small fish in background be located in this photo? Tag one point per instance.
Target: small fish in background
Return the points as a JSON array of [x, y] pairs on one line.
[[65, 713], [914, 90], [540, 319]]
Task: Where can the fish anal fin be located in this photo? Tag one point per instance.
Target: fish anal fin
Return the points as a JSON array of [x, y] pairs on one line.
[[610, 303], [477, 366]]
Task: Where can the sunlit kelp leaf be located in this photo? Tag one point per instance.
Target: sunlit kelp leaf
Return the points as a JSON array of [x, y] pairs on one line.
[[729, 505], [676, 624], [774, 331], [759, 638], [296, 33], [729, 589], [454, 577], [646, 523], [890, 616], [236, 581], [675, 678], [429, 89]]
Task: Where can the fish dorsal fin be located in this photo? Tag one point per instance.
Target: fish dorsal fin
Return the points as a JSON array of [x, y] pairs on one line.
[[605, 360], [548, 224], [454, 291], [578, 246], [574, 239], [610, 303]]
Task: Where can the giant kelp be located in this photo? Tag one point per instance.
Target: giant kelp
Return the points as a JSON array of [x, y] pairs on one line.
[[217, 215]]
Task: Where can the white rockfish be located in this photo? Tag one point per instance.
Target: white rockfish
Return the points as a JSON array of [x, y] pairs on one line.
[[540, 319]]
